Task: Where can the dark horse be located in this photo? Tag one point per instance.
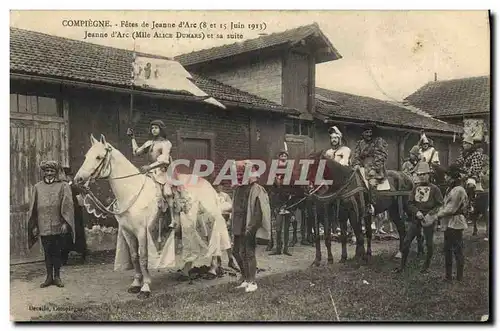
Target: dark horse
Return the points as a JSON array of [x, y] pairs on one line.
[[349, 193]]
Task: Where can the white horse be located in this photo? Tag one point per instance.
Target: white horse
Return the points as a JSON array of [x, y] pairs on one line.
[[137, 199]]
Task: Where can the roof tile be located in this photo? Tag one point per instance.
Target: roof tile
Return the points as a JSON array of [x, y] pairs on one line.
[[46, 55], [453, 97], [344, 105], [260, 43]]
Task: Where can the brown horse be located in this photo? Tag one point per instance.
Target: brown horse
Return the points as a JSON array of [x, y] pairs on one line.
[[349, 194]]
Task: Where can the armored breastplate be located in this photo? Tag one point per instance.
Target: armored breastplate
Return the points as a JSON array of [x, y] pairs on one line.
[[156, 150]]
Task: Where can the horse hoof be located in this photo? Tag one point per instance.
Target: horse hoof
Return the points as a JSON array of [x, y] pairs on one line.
[[143, 295], [134, 289], [316, 264], [330, 261], [343, 260]]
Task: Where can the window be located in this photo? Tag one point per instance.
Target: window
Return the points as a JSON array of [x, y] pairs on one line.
[[35, 105], [298, 127]]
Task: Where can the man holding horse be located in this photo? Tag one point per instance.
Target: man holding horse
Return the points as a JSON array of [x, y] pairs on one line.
[[158, 148], [371, 154], [424, 200]]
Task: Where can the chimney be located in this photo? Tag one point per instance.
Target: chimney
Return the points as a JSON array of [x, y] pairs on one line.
[[435, 76]]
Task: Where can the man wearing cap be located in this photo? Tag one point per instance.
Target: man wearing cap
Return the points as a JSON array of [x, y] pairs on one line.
[[158, 148], [251, 220], [470, 163], [337, 152], [284, 216], [453, 221], [50, 216], [425, 200], [410, 165], [371, 153]]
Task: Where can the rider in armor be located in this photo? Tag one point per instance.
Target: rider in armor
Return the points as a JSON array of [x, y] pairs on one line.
[[371, 153], [337, 152], [470, 163], [427, 151], [158, 148]]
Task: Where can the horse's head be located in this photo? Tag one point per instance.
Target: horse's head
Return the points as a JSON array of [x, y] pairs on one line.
[[97, 161]]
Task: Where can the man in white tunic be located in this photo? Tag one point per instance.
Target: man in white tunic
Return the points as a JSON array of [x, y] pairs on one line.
[[338, 152]]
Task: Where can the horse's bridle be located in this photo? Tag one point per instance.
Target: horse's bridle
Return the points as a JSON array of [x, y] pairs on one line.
[[97, 174]]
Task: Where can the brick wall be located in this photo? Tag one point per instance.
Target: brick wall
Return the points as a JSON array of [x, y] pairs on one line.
[[108, 113], [260, 78]]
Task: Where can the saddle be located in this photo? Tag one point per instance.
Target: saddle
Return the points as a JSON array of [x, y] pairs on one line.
[[384, 185]]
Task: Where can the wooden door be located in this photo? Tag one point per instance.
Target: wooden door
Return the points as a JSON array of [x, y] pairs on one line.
[[194, 146], [33, 138]]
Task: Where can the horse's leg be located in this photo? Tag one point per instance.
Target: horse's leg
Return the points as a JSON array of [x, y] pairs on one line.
[[328, 232], [369, 234], [400, 226], [294, 232], [303, 227], [317, 260], [355, 220], [343, 239], [132, 243], [143, 262]]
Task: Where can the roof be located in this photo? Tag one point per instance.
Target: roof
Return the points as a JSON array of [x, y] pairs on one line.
[[290, 36], [40, 54], [333, 104], [453, 97]]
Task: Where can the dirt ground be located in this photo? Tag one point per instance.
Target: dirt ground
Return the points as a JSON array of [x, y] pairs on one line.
[[96, 283]]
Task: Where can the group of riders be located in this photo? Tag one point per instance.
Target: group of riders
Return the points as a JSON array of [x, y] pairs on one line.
[[369, 156]]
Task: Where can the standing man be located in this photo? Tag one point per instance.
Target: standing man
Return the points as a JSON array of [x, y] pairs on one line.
[[425, 199], [158, 148], [371, 153], [51, 215], [453, 221], [251, 219]]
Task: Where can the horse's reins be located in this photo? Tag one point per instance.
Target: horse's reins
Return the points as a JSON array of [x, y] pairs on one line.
[[96, 175]]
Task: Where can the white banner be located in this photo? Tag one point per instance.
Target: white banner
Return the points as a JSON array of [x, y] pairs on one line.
[[169, 75]]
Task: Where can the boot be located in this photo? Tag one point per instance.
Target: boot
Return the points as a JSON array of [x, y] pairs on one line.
[[50, 276], [57, 278], [279, 244], [48, 281]]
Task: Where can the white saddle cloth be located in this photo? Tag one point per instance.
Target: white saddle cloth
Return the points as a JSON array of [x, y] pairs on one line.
[[384, 186]]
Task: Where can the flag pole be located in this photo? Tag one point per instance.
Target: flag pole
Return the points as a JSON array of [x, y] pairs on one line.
[[131, 109]]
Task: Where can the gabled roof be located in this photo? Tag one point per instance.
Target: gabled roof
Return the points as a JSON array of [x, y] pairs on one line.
[[454, 97], [289, 37], [40, 54], [340, 105]]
